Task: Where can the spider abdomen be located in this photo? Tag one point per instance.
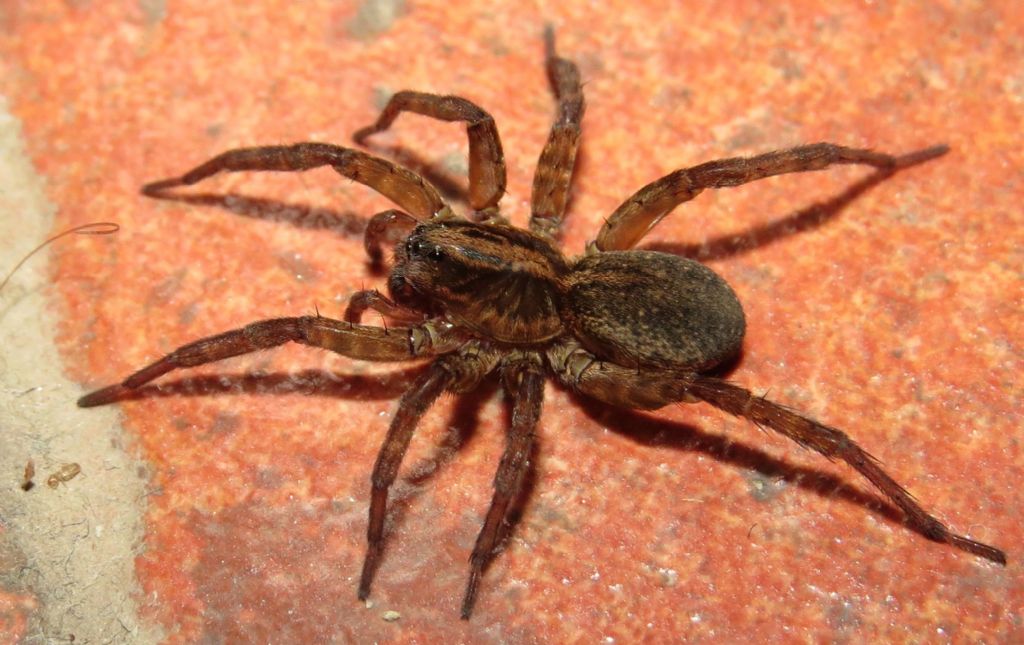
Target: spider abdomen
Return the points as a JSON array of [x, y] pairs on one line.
[[654, 310]]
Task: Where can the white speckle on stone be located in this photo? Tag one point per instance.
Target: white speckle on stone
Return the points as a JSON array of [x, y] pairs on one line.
[[669, 577]]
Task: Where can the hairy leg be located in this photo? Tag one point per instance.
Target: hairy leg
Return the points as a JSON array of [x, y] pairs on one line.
[[455, 372], [411, 407], [553, 176], [515, 462], [617, 385], [834, 444], [354, 341], [404, 187], [637, 215], [486, 159]]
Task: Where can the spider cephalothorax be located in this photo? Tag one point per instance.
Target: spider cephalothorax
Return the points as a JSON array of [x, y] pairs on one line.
[[630, 328]]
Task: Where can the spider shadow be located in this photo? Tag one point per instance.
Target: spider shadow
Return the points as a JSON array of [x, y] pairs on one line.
[[654, 432], [465, 416], [462, 425], [348, 224], [462, 422], [353, 225], [452, 189], [805, 219], [345, 223]]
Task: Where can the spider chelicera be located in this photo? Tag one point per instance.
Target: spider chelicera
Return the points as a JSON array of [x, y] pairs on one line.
[[636, 329]]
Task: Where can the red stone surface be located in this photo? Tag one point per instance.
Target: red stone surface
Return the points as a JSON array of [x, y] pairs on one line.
[[14, 612], [897, 319]]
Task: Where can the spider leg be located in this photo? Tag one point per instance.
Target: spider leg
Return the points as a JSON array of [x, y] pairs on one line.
[[452, 372], [617, 385], [411, 407], [404, 187], [355, 341], [361, 301], [385, 228], [553, 176], [833, 444], [486, 159], [637, 215], [515, 462]]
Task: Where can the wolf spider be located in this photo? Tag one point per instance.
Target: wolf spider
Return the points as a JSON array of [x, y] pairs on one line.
[[636, 329]]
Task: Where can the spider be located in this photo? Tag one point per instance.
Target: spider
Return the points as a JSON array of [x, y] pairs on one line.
[[476, 296]]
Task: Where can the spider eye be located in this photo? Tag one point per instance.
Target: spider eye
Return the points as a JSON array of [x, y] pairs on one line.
[[413, 247], [436, 254]]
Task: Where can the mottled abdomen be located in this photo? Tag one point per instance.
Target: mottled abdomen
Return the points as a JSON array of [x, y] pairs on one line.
[[653, 310]]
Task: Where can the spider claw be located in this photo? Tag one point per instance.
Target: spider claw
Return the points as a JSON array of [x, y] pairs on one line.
[[103, 396], [366, 578], [920, 156], [362, 594], [549, 41], [373, 550], [977, 548], [469, 599], [158, 189]]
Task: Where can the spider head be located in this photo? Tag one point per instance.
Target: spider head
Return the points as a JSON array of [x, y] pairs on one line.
[[421, 264], [500, 281]]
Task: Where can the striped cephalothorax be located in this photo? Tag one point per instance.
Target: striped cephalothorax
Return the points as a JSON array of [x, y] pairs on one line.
[[500, 282], [631, 328]]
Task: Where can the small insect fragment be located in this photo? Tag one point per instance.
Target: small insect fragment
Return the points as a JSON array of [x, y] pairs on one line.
[[391, 615], [65, 473], [26, 480]]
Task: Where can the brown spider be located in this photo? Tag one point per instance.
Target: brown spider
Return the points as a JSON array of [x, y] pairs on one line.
[[637, 329]]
